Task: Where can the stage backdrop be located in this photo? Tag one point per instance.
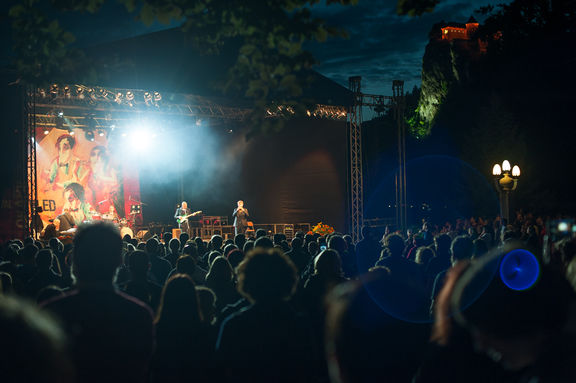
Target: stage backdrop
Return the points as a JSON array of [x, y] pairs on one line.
[[298, 175], [63, 159]]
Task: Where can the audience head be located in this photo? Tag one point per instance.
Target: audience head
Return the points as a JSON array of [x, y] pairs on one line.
[[337, 243], [44, 259], [138, 263], [191, 250], [313, 248], [462, 248], [328, 264], [207, 303], [297, 243], [216, 242], [220, 271], [174, 245], [513, 324], [424, 254], [6, 286], [166, 237], [212, 256], [357, 328], [249, 245], [33, 345], [480, 247], [278, 238], [152, 246], [394, 244], [240, 240], [228, 248], [179, 303], [235, 257], [97, 253], [184, 237], [267, 275], [28, 254], [264, 242], [55, 244], [260, 233], [442, 243], [186, 264]]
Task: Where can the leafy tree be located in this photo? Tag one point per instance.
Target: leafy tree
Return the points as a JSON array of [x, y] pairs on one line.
[[270, 62]]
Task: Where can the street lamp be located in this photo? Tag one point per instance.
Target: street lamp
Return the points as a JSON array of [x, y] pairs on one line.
[[506, 180]]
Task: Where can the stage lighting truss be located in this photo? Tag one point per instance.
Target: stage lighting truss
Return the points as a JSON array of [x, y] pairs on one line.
[[115, 100]]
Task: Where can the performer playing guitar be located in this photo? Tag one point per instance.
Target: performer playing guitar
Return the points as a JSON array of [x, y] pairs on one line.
[[182, 214]]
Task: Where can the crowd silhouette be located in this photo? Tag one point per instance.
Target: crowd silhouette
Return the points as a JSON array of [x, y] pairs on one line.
[[428, 305]]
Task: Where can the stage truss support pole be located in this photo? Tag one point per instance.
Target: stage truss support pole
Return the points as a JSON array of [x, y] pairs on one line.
[[30, 184], [401, 199], [355, 144]]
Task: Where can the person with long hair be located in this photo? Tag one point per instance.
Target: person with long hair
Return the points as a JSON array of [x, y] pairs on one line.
[[220, 279], [183, 349]]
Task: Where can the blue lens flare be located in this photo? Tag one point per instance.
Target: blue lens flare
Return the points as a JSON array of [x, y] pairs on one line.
[[519, 269]]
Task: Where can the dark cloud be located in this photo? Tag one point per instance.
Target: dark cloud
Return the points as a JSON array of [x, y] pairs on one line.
[[382, 45]]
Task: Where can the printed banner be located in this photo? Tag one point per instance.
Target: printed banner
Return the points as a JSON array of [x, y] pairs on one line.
[[83, 179]]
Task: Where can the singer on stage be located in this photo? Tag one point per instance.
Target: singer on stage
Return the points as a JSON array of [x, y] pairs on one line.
[[240, 215]]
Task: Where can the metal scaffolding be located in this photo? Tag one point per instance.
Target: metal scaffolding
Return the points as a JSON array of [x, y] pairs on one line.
[[380, 104], [401, 203], [30, 182], [355, 147]]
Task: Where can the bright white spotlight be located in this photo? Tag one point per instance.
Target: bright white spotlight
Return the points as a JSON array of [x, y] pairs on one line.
[[140, 140]]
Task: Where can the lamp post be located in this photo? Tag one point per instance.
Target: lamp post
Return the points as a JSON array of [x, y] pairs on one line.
[[506, 180]]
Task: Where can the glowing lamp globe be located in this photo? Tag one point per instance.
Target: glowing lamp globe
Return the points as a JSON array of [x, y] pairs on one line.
[[516, 171], [496, 170], [506, 166]]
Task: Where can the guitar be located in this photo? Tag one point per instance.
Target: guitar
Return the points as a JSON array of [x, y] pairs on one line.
[[184, 218]]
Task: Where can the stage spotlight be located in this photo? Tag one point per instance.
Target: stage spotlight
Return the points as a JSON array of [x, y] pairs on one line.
[[42, 92], [92, 94], [148, 98], [140, 140], [199, 122], [60, 114], [80, 92], [54, 89], [89, 135], [46, 131], [67, 92], [157, 96], [103, 92], [118, 98], [129, 96], [101, 134]]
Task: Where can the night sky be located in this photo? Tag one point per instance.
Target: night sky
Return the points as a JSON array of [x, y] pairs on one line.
[[382, 45]]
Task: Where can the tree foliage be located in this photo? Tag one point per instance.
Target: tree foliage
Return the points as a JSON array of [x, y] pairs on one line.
[[271, 34]]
